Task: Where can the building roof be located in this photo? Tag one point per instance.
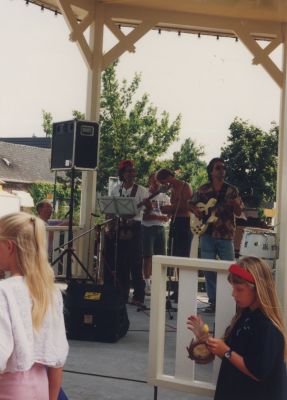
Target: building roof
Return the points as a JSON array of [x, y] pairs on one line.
[[43, 142], [19, 163]]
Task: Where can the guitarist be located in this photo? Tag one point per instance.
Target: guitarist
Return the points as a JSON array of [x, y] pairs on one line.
[[217, 241], [129, 245]]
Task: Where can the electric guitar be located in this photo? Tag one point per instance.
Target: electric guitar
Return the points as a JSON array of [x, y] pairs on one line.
[[199, 226], [162, 189]]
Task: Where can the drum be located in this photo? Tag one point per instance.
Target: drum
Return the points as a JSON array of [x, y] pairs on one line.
[[259, 243]]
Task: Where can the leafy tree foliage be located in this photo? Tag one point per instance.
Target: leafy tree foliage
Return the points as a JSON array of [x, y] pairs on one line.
[[130, 129], [47, 123], [40, 191], [187, 164], [251, 158]]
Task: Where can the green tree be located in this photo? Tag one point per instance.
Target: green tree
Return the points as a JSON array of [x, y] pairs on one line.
[[187, 161], [78, 114], [40, 191], [130, 129], [251, 158], [47, 123]]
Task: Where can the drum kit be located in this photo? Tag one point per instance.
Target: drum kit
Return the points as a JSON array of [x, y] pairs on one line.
[[260, 243]]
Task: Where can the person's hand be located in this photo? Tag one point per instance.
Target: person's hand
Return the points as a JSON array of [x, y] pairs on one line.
[[217, 346], [167, 209], [163, 218], [197, 326], [195, 210], [148, 204]]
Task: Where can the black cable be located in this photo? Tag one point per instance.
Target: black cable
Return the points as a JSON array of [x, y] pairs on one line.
[[104, 376]]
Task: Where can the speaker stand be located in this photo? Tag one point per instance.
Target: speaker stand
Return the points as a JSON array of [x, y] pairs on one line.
[[69, 251]]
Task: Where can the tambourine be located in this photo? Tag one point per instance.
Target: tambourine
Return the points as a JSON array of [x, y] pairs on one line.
[[199, 352]]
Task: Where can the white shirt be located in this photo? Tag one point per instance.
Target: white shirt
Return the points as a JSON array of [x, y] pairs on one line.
[[141, 194], [159, 200], [20, 345]]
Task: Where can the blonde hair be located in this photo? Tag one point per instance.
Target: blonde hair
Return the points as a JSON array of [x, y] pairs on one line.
[[29, 236], [266, 293]]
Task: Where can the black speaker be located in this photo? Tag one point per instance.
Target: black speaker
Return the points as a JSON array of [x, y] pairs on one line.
[[75, 145], [94, 312]]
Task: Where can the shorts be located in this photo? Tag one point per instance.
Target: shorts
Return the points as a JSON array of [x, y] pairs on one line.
[[153, 240]]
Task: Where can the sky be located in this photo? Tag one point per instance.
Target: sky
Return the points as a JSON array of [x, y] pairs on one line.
[[208, 81]]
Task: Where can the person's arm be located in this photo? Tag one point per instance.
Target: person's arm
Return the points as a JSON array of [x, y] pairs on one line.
[[219, 348], [236, 203], [195, 210], [55, 381], [153, 217]]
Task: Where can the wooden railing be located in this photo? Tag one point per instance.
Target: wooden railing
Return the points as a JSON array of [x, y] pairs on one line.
[[183, 377]]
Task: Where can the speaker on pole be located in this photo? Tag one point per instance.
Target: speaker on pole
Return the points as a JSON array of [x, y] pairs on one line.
[[75, 144]]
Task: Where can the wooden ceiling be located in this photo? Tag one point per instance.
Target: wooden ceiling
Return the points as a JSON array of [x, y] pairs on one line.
[[264, 10]]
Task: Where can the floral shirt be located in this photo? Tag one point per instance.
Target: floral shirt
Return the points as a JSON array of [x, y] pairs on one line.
[[224, 226]]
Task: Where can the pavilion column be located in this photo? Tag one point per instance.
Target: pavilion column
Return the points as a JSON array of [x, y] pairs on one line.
[[281, 274], [89, 179]]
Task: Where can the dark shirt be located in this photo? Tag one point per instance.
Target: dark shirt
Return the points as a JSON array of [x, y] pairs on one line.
[[261, 345], [224, 226]]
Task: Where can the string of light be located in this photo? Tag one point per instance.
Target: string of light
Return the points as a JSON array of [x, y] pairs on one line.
[[44, 7]]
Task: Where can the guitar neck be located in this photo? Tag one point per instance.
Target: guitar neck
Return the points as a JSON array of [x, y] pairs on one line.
[[151, 196]]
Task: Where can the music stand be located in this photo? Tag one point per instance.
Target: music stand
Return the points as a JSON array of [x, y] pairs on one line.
[[118, 206]]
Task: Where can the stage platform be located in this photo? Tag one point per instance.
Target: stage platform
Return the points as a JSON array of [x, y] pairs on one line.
[[117, 371]]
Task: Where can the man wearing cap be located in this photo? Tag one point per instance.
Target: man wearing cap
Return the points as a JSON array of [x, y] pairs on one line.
[[217, 240], [129, 245]]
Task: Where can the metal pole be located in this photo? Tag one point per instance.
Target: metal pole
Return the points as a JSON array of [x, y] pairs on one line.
[[70, 227]]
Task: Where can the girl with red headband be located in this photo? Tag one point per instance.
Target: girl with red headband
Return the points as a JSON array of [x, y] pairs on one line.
[[254, 347]]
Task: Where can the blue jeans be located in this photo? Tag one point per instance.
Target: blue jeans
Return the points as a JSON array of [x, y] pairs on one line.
[[210, 249]]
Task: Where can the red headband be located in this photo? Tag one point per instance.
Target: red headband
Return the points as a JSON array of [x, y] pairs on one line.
[[237, 270]]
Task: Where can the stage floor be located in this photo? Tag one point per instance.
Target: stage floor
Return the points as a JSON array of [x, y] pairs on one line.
[[117, 371]]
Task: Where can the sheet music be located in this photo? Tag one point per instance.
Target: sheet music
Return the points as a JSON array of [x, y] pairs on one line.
[[118, 205]]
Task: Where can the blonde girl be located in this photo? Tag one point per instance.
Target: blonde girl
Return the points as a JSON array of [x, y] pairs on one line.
[[33, 344], [254, 348]]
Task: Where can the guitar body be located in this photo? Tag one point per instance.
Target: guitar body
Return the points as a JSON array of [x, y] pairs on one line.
[[199, 226]]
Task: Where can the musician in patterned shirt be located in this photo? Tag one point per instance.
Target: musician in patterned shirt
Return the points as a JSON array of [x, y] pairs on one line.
[[217, 240]]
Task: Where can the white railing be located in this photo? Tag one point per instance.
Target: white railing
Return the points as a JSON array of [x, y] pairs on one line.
[[184, 371], [57, 236]]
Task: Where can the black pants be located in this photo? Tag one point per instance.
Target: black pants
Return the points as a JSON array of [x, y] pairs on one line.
[[180, 237], [123, 260]]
